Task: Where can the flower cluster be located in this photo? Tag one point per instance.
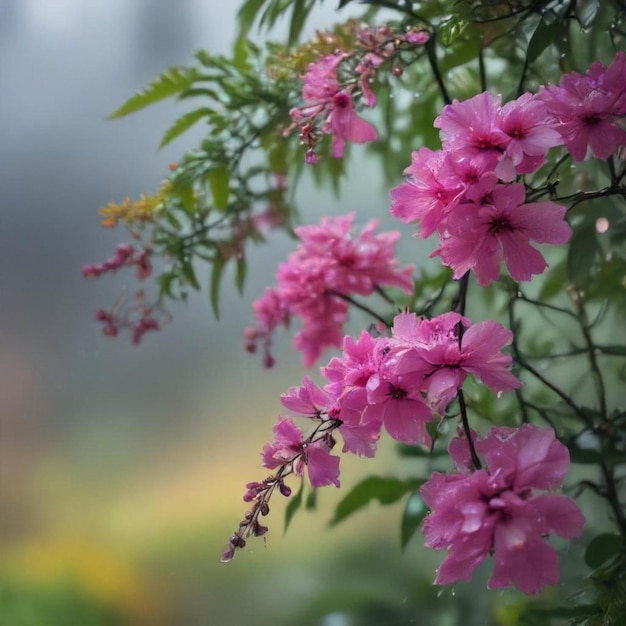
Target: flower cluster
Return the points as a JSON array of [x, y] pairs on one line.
[[335, 82], [398, 382], [139, 320], [464, 191], [332, 263], [501, 509], [131, 212], [401, 381], [125, 256]]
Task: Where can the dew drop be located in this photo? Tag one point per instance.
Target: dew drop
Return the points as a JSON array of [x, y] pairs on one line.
[[602, 224]]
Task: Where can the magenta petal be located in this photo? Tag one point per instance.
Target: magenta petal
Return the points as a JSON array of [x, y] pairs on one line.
[[465, 556], [561, 515], [529, 566], [323, 467], [522, 260], [542, 460], [361, 439], [544, 222], [405, 421]]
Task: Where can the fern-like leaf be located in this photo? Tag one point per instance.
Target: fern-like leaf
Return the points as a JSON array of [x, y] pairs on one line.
[[173, 81], [182, 124]]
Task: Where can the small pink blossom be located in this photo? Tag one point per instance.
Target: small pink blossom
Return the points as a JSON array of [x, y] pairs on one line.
[[289, 446], [328, 106], [349, 374], [345, 125], [498, 510], [308, 399]]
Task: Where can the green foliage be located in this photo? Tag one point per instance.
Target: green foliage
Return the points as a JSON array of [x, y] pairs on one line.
[[173, 82], [61, 604], [582, 252], [267, 12], [385, 490], [414, 513], [216, 279], [183, 123], [604, 548], [294, 505]]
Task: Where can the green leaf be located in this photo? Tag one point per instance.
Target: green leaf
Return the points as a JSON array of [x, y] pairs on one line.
[[582, 252], [183, 190], [172, 220], [182, 124], [311, 500], [247, 15], [216, 278], [414, 512], [554, 282], [219, 179], [385, 490], [173, 81], [190, 275], [585, 456], [544, 35], [165, 284], [301, 10], [419, 451], [294, 504], [240, 276], [451, 30], [586, 10], [602, 548]]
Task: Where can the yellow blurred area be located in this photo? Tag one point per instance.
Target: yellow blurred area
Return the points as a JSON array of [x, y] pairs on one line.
[[101, 572]]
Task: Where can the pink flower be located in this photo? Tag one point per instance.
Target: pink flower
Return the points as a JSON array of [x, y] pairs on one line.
[[358, 362], [332, 261], [471, 129], [329, 106], [349, 375], [431, 191], [497, 510], [589, 107], [398, 403], [320, 81], [308, 399], [354, 262], [438, 363], [480, 235], [360, 439], [345, 125], [531, 132], [290, 447]]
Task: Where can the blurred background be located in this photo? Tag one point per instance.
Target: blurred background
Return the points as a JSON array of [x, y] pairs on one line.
[[122, 468]]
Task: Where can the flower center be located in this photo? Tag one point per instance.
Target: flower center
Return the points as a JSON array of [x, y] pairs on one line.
[[499, 224], [396, 393]]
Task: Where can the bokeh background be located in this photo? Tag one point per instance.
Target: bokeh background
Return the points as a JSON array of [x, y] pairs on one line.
[[122, 468]]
